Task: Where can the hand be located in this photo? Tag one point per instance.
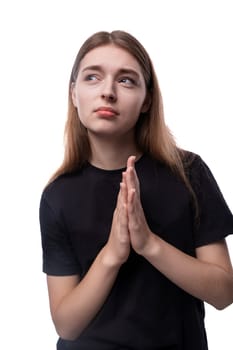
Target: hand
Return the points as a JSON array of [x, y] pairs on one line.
[[139, 231], [118, 245]]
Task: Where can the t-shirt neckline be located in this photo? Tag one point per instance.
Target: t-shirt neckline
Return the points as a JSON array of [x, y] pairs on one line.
[[113, 171]]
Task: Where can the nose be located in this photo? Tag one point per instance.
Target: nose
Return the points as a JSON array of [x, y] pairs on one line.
[[108, 92]]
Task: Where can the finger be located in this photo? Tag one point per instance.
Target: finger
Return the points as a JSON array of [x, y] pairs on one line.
[[123, 190], [124, 178], [131, 161], [132, 179], [131, 199], [129, 171], [123, 217], [119, 198]]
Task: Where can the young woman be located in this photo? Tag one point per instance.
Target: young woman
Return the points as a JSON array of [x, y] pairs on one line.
[[132, 226]]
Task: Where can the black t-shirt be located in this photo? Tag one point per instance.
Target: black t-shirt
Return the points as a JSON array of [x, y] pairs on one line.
[[144, 310]]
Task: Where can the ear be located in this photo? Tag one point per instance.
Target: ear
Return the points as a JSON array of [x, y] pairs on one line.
[[146, 104], [73, 94]]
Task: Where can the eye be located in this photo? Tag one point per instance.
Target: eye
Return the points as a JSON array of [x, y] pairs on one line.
[[91, 77], [128, 81]]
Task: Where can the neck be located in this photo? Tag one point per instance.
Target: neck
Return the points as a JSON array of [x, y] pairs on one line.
[[112, 154]]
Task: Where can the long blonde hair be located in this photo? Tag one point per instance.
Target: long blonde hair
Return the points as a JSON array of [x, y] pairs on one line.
[[152, 134]]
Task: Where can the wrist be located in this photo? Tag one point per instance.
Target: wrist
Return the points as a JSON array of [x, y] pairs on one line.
[[108, 260], [152, 247]]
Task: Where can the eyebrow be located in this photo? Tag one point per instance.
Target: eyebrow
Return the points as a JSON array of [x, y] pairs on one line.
[[120, 71]]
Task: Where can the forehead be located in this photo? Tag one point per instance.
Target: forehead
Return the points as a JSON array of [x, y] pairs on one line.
[[110, 56]]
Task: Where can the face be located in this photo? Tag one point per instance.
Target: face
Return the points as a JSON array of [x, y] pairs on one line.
[[109, 92]]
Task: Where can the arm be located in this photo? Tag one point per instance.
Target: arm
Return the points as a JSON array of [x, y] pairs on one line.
[[74, 303], [208, 277]]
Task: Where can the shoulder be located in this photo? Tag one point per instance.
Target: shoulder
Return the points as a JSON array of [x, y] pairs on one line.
[[189, 158], [61, 187], [193, 163], [200, 175]]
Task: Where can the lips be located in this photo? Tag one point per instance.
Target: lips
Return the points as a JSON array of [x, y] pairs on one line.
[[106, 111]]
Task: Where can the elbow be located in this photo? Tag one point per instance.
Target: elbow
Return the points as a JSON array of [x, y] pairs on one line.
[[66, 333], [223, 303], [225, 298], [65, 329]]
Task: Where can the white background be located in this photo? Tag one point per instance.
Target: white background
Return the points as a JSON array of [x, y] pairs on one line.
[[190, 43]]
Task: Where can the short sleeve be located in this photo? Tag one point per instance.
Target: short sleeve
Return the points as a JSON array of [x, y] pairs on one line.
[[215, 217], [58, 256]]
